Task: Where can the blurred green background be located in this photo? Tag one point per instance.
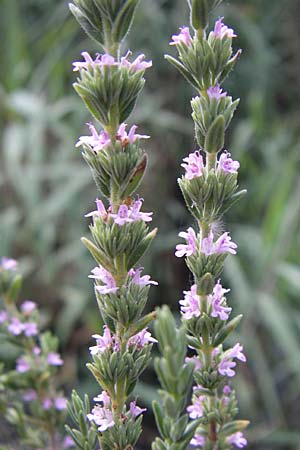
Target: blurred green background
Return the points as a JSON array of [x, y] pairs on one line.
[[46, 188]]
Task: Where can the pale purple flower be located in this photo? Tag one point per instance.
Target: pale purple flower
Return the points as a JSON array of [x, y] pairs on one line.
[[226, 367], [97, 141], [102, 342], [139, 64], [130, 137], [227, 390], [8, 264], [102, 417], [100, 61], [60, 403], [122, 216], [221, 30], [184, 37], [47, 403], [135, 410], [190, 305], [225, 245], [196, 409], [30, 395], [54, 359], [28, 307], [88, 62], [237, 352], [145, 280], [136, 214], [216, 92], [198, 440], [15, 327], [131, 214], [191, 246], [36, 351], [237, 439], [104, 398], [99, 212], [216, 300], [3, 316], [228, 165], [22, 365], [109, 284], [196, 361], [68, 442], [194, 165], [30, 329], [141, 339], [227, 364], [222, 245]]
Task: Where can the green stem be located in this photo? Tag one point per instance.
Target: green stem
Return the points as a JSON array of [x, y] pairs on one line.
[[211, 160]]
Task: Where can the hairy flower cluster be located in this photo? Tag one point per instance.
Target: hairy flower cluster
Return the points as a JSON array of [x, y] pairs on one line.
[[99, 141], [208, 245], [125, 214], [107, 60]]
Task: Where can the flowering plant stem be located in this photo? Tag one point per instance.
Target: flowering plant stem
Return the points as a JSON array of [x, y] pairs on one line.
[[209, 187], [109, 85]]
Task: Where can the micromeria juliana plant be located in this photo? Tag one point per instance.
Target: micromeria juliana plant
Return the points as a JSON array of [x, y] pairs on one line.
[[109, 85], [209, 187], [29, 397]]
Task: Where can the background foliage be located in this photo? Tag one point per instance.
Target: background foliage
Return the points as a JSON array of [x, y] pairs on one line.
[[45, 187]]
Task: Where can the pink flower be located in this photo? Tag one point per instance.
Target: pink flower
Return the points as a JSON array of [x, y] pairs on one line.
[[15, 327], [99, 212], [89, 62], [60, 403], [221, 30], [237, 439], [141, 339], [102, 415], [28, 307], [237, 352], [216, 300], [216, 92], [54, 359], [194, 165], [30, 329], [102, 342], [196, 409], [130, 214], [30, 395], [131, 137], [136, 214], [3, 316], [141, 281], [227, 364], [198, 440], [47, 403], [184, 37], [222, 245], [196, 361], [139, 64], [96, 141], [135, 410], [190, 306], [227, 165], [22, 365], [8, 264], [227, 390], [190, 247], [68, 442], [109, 284]]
